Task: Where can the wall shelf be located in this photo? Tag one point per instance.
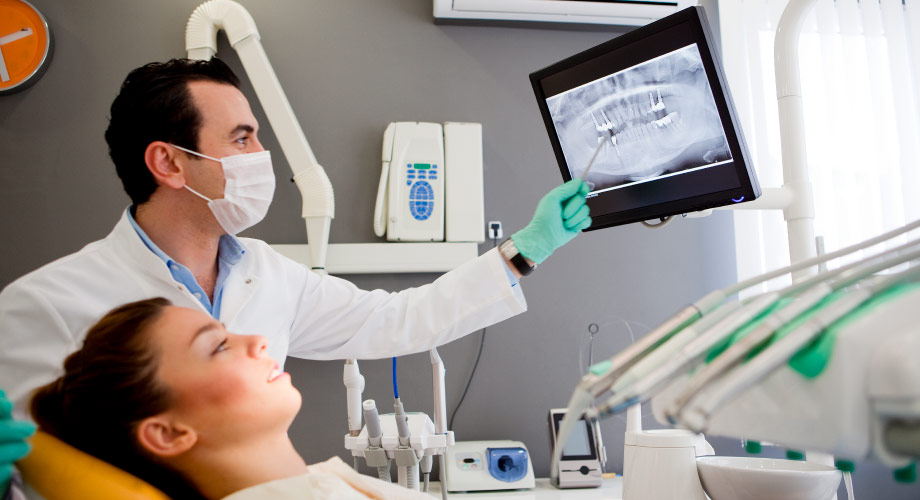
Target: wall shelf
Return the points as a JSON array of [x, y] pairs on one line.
[[377, 258]]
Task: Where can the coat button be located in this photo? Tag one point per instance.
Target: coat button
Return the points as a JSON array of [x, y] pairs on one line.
[[248, 280]]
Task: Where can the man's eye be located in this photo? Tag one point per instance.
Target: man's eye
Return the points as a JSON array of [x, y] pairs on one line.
[[243, 140], [223, 346]]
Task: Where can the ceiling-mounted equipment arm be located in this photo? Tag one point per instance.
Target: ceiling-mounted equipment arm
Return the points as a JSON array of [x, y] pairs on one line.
[[315, 188]]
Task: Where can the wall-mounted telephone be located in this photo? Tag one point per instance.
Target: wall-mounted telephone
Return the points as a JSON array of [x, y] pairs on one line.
[[431, 183]]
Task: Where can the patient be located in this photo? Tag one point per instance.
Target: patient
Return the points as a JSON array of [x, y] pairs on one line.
[[167, 394]]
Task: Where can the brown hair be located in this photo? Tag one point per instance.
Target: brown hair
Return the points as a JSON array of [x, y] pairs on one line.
[[108, 387]]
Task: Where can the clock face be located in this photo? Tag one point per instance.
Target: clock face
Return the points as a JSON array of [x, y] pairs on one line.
[[25, 45]]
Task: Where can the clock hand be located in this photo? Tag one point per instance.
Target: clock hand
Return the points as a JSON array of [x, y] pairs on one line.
[[4, 73], [16, 35]]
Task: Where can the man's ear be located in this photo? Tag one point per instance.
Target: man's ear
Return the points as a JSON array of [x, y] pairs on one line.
[[164, 437], [166, 164]]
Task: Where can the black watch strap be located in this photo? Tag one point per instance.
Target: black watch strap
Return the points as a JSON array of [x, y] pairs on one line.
[[510, 252], [521, 264]]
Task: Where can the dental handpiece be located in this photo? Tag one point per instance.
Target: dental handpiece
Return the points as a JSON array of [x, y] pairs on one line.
[[375, 455], [743, 285], [354, 387], [697, 415], [601, 376], [402, 422], [742, 377], [372, 421], [642, 379], [736, 353], [676, 356], [815, 289], [853, 272]]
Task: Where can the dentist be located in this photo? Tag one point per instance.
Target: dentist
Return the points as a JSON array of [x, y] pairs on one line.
[[186, 147]]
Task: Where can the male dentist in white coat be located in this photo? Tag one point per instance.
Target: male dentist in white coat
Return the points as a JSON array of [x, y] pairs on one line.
[[185, 145]]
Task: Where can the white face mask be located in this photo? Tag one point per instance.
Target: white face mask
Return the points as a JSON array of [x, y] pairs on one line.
[[250, 185]]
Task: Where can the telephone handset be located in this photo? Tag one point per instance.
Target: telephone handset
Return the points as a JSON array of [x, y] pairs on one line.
[[410, 197]]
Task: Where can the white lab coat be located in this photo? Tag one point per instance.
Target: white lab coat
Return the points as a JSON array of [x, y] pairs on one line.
[[45, 314]]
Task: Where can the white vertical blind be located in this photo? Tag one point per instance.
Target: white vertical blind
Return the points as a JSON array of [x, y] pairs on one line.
[[860, 62]]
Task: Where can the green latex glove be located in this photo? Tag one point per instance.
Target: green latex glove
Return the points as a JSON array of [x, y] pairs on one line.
[[559, 217], [13, 445]]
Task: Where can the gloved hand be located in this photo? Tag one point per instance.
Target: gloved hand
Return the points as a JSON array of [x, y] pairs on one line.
[[12, 441], [560, 216]]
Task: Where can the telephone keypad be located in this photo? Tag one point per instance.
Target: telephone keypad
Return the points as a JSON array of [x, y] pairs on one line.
[[421, 200]]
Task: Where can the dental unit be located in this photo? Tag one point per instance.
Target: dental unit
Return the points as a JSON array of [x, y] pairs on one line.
[[606, 376], [687, 348]]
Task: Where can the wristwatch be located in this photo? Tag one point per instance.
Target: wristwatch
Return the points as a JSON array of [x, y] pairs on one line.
[[511, 253]]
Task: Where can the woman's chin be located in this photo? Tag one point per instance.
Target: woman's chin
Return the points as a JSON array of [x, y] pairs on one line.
[[294, 401]]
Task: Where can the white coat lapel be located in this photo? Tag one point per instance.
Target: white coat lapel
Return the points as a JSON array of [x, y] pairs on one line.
[[238, 289]]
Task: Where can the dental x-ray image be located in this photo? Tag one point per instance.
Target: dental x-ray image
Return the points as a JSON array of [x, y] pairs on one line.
[[656, 119]]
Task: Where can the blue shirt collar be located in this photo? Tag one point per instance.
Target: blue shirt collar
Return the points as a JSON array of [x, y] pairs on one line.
[[229, 248], [229, 252]]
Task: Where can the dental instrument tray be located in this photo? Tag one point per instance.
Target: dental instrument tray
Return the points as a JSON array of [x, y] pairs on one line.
[[658, 101]]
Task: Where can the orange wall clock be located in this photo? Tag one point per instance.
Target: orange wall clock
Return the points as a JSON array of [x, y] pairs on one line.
[[25, 45]]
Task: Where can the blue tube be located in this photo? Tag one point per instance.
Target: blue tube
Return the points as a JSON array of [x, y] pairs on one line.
[[395, 389]]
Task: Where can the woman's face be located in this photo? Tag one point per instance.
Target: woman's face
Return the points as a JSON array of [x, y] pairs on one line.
[[224, 385]]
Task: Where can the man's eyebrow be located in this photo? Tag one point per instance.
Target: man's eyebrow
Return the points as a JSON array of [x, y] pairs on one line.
[[211, 325], [243, 127]]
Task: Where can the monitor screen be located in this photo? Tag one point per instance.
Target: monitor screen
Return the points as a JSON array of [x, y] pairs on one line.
[[580, 445], [652, 109]]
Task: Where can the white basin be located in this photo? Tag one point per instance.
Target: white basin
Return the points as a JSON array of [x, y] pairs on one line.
[[751, 478]]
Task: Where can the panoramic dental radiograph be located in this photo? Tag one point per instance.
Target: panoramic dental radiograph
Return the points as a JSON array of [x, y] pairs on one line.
[[656, 118]]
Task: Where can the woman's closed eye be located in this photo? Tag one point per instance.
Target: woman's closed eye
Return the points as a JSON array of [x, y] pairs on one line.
[[222, 346]]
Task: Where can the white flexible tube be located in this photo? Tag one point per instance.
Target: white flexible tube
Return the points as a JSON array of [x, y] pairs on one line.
[[315, 188], [756, 280]]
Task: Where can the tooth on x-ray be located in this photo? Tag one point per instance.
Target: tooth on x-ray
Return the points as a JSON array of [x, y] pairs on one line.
[[660, 117]]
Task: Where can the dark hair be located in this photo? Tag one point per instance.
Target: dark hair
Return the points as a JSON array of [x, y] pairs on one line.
[[154, 104], [108, 387]]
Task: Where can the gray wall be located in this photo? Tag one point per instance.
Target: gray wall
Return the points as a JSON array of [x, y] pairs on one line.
[[349, 67]]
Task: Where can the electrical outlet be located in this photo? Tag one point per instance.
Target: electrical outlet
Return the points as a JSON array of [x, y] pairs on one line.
[[494, 230]]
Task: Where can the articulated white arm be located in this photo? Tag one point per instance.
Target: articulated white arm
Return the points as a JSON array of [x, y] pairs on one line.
[[201, 43]]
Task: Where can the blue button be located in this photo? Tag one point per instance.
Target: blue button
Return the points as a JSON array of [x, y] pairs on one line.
[[421, 176], [434, 166], [408, 183]]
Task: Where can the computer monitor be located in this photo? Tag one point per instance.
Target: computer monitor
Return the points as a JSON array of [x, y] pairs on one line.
[[654, 104]]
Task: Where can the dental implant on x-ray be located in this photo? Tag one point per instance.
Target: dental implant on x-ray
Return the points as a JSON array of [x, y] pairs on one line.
[[652, 119]]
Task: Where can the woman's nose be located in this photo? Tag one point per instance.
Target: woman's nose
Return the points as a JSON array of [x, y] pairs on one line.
[[257, 345]]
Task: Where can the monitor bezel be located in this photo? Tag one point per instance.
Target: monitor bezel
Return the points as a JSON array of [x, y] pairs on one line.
[[749, 188]]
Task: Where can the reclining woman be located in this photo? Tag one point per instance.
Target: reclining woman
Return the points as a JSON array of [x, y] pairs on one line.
[[167, 394]]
